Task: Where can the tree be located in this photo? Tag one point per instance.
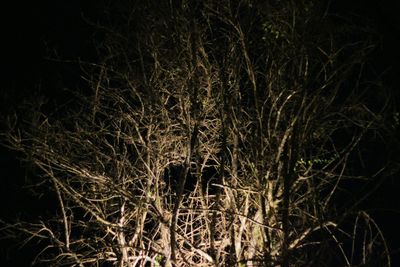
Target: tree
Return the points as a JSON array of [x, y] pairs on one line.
[[210, 135]]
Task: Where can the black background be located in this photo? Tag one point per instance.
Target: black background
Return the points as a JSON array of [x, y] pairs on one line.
[[31, 31]]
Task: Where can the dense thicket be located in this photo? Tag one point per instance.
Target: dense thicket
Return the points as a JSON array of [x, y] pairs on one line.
[[211, 133]]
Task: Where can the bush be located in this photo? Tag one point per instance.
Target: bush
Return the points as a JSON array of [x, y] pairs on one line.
[[209, 135]]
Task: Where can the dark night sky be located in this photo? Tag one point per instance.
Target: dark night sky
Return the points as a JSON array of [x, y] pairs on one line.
[[33, 31], [30, 30]]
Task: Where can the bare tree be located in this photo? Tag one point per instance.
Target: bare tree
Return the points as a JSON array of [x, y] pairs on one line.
[[211, 135]]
